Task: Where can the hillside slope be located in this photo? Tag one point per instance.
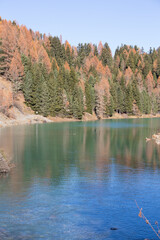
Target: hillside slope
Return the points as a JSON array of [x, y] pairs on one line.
[[13, 110], [65, 81]]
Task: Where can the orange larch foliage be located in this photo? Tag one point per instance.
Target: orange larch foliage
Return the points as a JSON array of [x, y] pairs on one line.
[[26, 43], [22, 43], [66, 66], [108, 72], [32, 34], [28, 36], [9, 36], [119, 75], [100, 68], [139, 63], [104, 84], [150, 82], [128, 75], [37, 36], [155, 65], [68, 45], [16, 70], [34, 51], [132, 50], [46, 42], [30, 44], [91, 62], [94, 62]]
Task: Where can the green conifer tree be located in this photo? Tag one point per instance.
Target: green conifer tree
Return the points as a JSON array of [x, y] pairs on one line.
[[129, 100], [44, 103], [27, 87]]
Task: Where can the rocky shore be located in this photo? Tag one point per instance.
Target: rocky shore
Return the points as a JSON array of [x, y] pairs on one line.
[[155, 137], [23, 119], [4, 166], [19, 118]]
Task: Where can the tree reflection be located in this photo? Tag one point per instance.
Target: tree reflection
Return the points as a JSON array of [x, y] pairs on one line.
[[56, 151]]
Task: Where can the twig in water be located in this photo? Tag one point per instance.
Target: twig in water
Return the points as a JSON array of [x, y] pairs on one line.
[[141, 215]]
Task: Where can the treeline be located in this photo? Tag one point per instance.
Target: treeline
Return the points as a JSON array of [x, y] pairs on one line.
[[55, 93], [58, 79]]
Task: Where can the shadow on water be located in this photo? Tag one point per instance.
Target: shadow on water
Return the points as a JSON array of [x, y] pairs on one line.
[[80, 179]]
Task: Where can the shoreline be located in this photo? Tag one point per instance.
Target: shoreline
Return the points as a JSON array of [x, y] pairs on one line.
[[33, 119], [118, 116]]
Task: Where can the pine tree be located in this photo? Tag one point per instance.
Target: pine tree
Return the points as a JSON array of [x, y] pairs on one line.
[[68, 56], [158, 64], [154, 104], [58, 100], [95, 51], [2, 59], [145, 102], [77, 103], [57, 50], [36, 89], [120, 101], [106, 56], [89, 98], [129, 100], [136, 93], [44, 104], [111, 106], [131, 61], [73, 80], [27, 87], [114, 95], [52, 91]]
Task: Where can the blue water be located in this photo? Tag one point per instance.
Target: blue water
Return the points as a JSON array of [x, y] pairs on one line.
[[75, 181]]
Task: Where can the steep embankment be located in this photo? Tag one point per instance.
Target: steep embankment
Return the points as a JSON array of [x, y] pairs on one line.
[[13, 110]]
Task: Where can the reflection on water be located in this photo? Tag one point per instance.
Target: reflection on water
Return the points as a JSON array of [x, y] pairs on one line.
[[76, 180]]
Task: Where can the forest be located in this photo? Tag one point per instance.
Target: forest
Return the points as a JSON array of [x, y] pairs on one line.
[[58, 79]]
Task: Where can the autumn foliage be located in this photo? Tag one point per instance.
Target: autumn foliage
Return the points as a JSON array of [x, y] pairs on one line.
[[60, 79]]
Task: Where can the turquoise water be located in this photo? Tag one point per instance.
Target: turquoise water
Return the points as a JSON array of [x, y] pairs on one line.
[[75, 181]]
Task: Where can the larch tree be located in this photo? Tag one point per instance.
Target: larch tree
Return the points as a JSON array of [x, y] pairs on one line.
[[16, 71]]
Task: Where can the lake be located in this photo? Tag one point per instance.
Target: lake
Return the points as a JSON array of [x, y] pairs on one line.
[[75, 181]]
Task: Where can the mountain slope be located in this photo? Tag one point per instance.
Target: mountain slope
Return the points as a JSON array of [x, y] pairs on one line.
[[61, 80]]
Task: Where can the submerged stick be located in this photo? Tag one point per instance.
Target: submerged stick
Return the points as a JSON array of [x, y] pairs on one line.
[[141, 215]]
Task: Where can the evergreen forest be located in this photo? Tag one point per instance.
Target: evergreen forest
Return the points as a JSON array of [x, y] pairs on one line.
[[58, 79]]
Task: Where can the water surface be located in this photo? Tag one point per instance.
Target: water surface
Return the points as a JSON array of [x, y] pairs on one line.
[[75, 181]]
